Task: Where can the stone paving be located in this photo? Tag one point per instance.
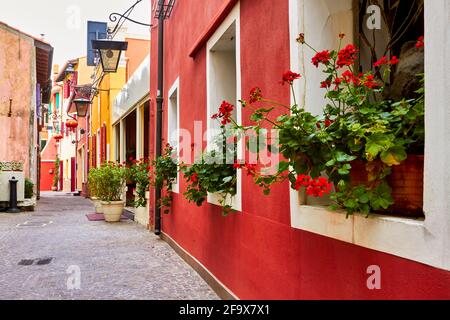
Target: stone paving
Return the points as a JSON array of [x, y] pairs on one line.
[[116, 261]]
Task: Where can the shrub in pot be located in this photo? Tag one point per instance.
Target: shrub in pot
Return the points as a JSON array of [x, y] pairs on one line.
[[110, 188]]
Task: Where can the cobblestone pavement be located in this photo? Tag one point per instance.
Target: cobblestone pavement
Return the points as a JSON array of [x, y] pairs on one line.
[[116, 261]]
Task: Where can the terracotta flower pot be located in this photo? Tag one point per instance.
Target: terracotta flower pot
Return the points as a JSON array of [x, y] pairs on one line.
[[113, 210], [406, 181]]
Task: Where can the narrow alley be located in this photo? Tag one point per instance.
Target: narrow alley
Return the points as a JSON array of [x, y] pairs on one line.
[[43, 251]]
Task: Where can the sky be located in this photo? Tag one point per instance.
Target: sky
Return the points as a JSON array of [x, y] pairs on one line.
[[63, 22]]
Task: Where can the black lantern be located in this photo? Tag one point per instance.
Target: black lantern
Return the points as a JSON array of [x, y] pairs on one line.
[[82, 105], [110, 52]]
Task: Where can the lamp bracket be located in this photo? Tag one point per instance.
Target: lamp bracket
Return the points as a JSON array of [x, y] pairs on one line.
[[120, 19]]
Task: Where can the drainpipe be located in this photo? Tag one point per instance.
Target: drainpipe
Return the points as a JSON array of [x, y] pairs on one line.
[[159, 111]]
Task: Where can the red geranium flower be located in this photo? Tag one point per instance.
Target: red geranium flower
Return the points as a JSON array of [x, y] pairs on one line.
[[194, 177], [225, 113], [420, 42], [347, 56], [370, 82], [394, 60], [319, 187], [321, 57], [302, 181], [255, 95], [325, 84], [381, 62], [289, 77], [348, 77]]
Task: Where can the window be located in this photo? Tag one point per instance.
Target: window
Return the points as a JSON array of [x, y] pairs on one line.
[[419, 240], [224, 81], [173, 124]]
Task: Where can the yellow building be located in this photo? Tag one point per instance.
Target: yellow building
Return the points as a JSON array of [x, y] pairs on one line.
[[100, 147]]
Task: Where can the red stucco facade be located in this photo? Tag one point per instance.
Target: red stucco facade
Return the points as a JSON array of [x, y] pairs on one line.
[[256, 253]]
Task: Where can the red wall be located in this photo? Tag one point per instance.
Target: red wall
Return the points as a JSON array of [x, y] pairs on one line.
[[46, 176], [256, 253]]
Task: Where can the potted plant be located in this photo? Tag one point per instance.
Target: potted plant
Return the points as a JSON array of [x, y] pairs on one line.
[[164, 176], [110, 190], [216, 171], [56, 176], [93, 182], [359, 149]]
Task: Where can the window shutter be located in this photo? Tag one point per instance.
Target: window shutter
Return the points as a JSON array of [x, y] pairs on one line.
[[94, 151], [66, 89]]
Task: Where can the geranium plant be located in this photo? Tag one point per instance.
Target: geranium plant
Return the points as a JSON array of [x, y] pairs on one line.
[[357, 125], [139, 172], [159, 173], [165, 175], [215, 172]]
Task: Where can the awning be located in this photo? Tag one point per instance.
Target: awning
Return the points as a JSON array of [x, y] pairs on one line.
[[44, 60], [137, 88]]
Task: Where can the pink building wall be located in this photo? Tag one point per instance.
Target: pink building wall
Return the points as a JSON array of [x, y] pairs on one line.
[[17, 82]]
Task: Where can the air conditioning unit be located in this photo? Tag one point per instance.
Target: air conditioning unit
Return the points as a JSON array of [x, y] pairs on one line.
[[5, 176]]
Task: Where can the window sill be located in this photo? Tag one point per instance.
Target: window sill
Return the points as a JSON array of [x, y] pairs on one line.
[[403, 237]]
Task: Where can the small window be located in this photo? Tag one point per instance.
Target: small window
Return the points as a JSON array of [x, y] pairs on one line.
[[222, 73], [224, 84], [173, 125]]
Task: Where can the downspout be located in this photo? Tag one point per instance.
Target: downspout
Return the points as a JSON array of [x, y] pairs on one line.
[[159, 112]]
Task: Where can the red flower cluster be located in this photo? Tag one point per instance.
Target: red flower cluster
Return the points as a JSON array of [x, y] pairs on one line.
[[318, 187], [347, 56], [302, 181], [255, 95], [314, 187], [321, 57], [384, 61], [194, 177], [326, 122], [348, 77], [420, 42], [225, 113], [289, 77], [251, 168], [370, 82], [325, 84]]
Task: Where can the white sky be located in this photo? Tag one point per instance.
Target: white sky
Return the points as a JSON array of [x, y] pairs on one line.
[[64, 21]]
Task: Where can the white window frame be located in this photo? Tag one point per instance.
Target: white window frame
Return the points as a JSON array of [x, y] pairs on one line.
[[233, 17], [175, 88], [425, 241]]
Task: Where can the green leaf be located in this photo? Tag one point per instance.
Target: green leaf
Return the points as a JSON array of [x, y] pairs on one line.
[[394, 156], [378, 143], [227, 179], [343, 157]]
